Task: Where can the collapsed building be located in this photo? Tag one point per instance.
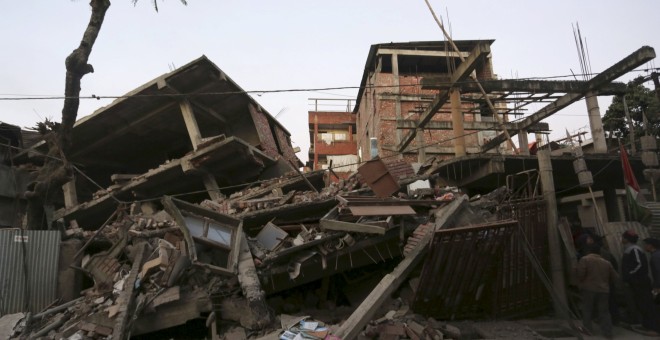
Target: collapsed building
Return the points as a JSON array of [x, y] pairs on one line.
[[188, 211]]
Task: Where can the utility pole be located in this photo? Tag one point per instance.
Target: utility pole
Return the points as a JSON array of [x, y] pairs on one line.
[[552, 219]]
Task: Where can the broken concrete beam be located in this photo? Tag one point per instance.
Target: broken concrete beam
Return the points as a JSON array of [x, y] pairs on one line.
[[251, 286], [350, 329]]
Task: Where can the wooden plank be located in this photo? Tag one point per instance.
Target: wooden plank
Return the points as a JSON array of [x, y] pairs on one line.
[[374, 210]]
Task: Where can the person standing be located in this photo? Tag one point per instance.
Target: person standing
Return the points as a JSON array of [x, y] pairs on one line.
[[595, 276], [635, 273], [652, 245]]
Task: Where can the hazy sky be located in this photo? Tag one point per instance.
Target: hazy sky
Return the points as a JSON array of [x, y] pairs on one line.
[[267, 45]]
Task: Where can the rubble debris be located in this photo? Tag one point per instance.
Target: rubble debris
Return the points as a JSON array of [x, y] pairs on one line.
[[354, 325], [200, 261], [251, 286]]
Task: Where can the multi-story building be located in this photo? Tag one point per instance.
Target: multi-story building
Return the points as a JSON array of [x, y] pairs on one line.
[[391, 100], [332, 137]]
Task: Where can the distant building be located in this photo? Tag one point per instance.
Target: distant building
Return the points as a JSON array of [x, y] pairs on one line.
[[391, 99], [332, 137]]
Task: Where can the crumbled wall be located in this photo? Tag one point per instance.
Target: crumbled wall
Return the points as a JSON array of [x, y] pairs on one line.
[[262, 125], [285, 145]]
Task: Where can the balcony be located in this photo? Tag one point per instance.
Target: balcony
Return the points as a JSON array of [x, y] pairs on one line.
[[335, 148]]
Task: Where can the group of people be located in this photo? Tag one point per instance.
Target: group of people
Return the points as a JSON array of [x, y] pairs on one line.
[[598, 278]]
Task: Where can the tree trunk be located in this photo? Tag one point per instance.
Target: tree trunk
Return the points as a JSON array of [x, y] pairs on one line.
[[57, 170]]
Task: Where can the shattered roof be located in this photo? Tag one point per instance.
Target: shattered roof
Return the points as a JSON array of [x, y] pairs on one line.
[[145, 126]]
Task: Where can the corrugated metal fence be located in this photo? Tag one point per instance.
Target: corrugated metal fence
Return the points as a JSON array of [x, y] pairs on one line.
[[519, 290], [458, 273], [28, 269]]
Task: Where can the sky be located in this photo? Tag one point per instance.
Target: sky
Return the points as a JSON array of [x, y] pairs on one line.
[[285, 44]]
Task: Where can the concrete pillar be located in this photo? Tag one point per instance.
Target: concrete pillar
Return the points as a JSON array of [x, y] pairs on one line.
[[539, 139], [69, 280], [397, 89], [315, 166], [70, 194], [421, 152], [457, 122], [524, 143], [196, 138], [556, 265], [191, 123], [596, 123]]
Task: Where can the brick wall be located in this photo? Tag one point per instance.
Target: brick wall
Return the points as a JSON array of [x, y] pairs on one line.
[[267, 142], [285, 145], [377, 116]]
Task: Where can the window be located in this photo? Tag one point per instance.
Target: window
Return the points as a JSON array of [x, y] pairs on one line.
[[213, 239]]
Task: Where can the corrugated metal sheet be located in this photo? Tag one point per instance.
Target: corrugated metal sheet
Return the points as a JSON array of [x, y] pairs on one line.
[[519, 290], [28, 269], [460, 271]]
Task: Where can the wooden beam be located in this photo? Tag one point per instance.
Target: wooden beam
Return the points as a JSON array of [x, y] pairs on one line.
[[615, 71], [424, 53], [480, 51], [523, 85]]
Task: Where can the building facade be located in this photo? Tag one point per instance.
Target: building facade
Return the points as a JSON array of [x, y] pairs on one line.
[[333, 139], [391, 100]]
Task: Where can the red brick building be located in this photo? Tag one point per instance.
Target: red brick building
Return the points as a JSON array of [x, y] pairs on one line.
[[332, 139], [391, 99]]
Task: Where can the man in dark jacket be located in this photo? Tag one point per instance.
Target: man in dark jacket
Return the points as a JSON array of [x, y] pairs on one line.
[[635, 273], [595, 276], [652, 245]]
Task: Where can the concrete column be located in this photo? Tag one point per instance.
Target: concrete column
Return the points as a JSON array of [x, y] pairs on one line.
[[397, 89], [596, 123], [196, 138], [457, 122], [556, 265], [539, 139], [421, 152], [191, 123], [524, 143], [70, 194], [316, 137]]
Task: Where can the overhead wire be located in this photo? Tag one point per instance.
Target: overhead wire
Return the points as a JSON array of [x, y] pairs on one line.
[[20, 97]]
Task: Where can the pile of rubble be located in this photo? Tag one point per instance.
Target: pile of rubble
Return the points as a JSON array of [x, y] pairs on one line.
[[240, 263]]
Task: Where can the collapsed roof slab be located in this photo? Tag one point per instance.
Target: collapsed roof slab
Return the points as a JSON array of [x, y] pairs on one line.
[[177, 177], [145, 127]]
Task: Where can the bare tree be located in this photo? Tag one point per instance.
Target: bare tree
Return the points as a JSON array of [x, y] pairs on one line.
[[56, 170]]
